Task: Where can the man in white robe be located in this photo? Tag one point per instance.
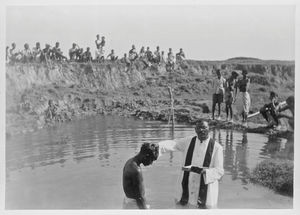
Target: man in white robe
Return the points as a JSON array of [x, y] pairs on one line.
[[202, 160]]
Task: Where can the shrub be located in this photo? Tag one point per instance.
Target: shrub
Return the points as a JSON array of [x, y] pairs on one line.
[[275, 174]]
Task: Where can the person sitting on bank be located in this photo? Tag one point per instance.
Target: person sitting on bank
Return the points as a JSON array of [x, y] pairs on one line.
[[73, 52], [46, 53], [87, 55], [156, 57], [26, 54], [37, 52], [57, 54], [180, 56], [133, 55], [51, 111], [79, 55], [15, 56], [162, 57], [126, 60], [170, 65], [149, 55], [142, 53], [133, 184], [112, 57], [218, 95]]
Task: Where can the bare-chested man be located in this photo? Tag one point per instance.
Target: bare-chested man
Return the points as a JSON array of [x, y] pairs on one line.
[[133, 184]]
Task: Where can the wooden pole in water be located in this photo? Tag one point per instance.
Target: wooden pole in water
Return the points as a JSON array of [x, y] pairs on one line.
[[172, 106]]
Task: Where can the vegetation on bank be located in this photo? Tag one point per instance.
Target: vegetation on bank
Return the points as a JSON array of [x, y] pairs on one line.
[[275, 174]]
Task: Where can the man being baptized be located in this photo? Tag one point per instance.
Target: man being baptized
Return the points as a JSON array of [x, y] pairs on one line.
[[133, 185]]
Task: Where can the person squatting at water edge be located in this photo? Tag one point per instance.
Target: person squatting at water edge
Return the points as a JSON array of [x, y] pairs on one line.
[[133, 184], [202, 168], [273, 110]]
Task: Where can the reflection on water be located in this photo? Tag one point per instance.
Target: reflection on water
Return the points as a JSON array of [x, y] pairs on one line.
[[103, 144]]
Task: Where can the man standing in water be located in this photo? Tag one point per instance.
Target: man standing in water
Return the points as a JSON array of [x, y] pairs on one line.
[[133, 184], [243, 86], [202, 167]]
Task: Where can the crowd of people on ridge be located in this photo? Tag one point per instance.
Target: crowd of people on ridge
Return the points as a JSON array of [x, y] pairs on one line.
[[77, 54]]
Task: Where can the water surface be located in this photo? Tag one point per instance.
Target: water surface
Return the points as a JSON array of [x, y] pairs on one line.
[[79, 165]]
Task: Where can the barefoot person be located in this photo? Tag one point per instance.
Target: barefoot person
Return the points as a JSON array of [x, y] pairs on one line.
[[202, 167], [133, 184], [243, 86], [230, 94], [218, 96]]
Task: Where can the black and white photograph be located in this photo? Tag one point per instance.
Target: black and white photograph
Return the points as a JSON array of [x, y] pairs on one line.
[[169, 107]]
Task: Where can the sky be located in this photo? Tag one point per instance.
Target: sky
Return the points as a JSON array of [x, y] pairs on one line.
[[204, 32]]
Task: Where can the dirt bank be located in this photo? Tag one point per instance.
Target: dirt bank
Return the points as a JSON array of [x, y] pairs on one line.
[[81, 89]]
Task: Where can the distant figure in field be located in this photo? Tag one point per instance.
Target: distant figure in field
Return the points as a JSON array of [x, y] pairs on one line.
[[26, 54], [243, 86], [218, 93], [112, 56], [37, 52], [170, 65], [180, 56], [87, 55], [156, 57], [230, 94], [57, 54], [133, 55], [133, 184]]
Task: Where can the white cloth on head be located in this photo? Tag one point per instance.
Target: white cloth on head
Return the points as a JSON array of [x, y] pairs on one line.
[[213, 173]]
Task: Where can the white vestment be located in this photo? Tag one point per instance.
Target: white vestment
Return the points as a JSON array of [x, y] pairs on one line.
[[212, 175]]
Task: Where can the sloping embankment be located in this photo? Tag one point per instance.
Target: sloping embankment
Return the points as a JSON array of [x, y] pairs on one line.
[[85, 89]]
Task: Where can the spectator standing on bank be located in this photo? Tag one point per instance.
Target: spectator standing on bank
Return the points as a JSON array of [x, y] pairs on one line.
[[218, 93]]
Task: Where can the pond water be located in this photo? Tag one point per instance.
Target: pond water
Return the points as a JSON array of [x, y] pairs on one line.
[[79, 165]]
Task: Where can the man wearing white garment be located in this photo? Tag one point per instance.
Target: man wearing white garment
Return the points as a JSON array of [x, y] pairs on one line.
[[202, 167]]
